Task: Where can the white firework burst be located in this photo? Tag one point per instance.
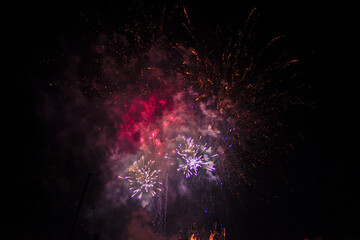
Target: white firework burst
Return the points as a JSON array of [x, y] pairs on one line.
[[194, 157], [144, 179]]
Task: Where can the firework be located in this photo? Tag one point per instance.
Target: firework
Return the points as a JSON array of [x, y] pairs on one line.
[[143, 179], [148, 89], [192, 157]]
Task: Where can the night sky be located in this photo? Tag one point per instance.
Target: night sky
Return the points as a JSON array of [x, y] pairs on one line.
[[321, 198]]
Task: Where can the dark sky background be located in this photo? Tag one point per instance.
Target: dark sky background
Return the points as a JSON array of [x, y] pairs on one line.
[[323, 168]]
